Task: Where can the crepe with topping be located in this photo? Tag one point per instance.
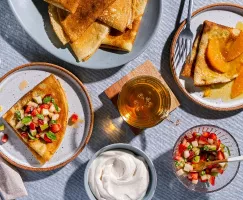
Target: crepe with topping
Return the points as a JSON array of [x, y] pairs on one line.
[[39, 118], [68, 5]]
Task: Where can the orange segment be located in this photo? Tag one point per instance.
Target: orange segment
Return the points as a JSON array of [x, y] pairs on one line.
[[237, 88], [215, 56], [235, 49]]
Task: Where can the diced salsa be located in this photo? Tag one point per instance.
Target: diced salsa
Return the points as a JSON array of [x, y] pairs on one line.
[[39, 119], [195, 148]]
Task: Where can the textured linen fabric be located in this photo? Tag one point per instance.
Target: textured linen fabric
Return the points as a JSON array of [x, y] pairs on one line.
[[17, 48]]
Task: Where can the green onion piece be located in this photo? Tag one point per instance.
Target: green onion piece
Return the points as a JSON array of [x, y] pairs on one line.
[[190, 147], [26, 120], [18, 115], [24, 128], [31, 137], [51, 135], [40, 116], [53, 122], [47, 99], [202, 173], [55, 105]]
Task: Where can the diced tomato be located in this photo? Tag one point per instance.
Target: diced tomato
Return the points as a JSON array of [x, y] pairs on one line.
[[208, 171], [203, 140], [38, 110], [184, 141], [28, 109], [213, 136], [203, 157], [218, 144], [32, 126], [221, 171], [24, 135], [74, 118], [220, 155], [192, 154], [178, 158], [195, 134], [4, 138], [55, 128], [212, 180], [40, 121], [206, 134], [181, 148], [44, 106], [48, 140], [193, 175], [34, 112], [210, 167], [37, 136], [203, 181]]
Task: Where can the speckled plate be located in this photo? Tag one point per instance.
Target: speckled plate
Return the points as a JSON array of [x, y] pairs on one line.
[[222, 13], [33, 16], [15, 151]]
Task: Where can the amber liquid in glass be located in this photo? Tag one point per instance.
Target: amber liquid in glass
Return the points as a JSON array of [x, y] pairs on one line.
[[144, 101]]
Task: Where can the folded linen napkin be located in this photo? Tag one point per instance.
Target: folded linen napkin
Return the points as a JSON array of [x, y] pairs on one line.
[[11, 184]]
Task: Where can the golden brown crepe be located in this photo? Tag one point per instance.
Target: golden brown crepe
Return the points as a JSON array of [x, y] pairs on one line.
[[203, 73], [124, 41], [41, 150], [69, 5], [76, 24], [90, 41], [55, 22], [118, 15]]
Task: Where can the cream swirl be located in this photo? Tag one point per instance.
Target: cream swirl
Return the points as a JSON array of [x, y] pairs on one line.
[[119, 175]]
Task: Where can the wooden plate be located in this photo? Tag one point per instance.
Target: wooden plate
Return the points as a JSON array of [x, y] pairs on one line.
[[76, 138], [221, 13]]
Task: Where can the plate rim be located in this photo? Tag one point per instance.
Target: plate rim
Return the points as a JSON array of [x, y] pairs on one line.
[[172, 50], [79, 64], [80, 149]]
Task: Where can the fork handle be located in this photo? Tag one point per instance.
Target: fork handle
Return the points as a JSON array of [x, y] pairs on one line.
[[189, 16]]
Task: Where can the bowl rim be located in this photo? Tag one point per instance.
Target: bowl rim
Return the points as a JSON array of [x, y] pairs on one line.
[[198, 126], [152, 171]]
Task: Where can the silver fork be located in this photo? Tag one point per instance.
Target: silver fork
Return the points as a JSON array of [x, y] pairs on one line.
[[186, 37]]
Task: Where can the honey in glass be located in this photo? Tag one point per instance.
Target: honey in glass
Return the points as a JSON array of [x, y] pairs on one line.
[[144, 102]]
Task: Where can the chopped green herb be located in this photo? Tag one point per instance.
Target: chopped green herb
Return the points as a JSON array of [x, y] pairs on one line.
[[55, 105], [18, 115], [177, 163], [202, 173], [51, 135], [53, 122], [205, 148], [31, 137], [40, 116], [26, 120], [189, 147], [47, 99]]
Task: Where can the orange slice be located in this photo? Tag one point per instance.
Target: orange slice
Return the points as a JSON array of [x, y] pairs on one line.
[[237, 88]]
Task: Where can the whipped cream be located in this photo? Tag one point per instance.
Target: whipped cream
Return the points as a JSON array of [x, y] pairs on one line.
[[119, 175]]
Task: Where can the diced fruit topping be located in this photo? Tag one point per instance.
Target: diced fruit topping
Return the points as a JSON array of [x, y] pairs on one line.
[[55, 128], [1, 127], [74, 118], [38, 119], [4, 138], [195, 148]]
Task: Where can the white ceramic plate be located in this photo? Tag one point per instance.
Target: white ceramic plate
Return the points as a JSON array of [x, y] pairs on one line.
[[225, 14], [15, 151], [33, 16]]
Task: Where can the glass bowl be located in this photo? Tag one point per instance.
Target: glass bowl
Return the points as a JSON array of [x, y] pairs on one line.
[[222, 180]]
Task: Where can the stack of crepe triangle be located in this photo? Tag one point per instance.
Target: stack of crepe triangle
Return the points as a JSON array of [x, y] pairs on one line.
[[88, 25]]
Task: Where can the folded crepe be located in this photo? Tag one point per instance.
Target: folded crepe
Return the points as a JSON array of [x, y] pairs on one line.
[[90, 41], [68, 5], [76, 24], [203, 73], [118, 15], [125, 41], [55, 22]]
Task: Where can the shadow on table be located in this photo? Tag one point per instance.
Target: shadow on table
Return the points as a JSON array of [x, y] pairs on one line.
[[75, 185], [109, 126], [186, 104], [29, 176], [168, 186], [15, 36]]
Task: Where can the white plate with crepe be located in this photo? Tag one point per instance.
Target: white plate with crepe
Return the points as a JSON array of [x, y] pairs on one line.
[[15, 84], [33, 16], [219, 99]]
